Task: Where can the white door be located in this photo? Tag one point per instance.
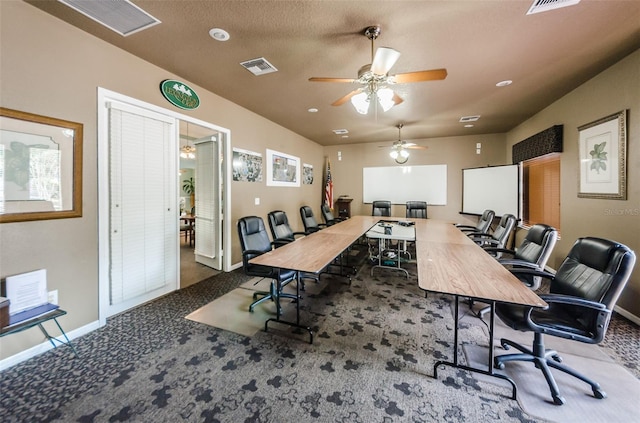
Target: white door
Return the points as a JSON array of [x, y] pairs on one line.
[[143, 218], [208, 248]]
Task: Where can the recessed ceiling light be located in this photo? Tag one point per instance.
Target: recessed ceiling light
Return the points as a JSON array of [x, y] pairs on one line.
[[345, 136], [219, 34], [468, 125], [312, 110], [504, 83]]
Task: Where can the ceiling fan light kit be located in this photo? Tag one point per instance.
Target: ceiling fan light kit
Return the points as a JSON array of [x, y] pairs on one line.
[[375, 78]]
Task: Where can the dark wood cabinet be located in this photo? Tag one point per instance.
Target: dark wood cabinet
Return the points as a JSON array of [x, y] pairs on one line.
[[343, 205]]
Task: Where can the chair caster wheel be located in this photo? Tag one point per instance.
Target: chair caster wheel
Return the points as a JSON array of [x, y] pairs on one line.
[[599, 393], [505, 345], [498, 365], [557, 358], [558, 400]]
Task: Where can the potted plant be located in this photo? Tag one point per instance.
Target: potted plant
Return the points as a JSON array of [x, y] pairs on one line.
[[188, 186]]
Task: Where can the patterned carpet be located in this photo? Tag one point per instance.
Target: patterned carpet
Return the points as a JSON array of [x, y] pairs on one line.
[[371, 361]]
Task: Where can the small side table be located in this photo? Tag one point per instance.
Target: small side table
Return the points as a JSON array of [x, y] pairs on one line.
[[38, 321]]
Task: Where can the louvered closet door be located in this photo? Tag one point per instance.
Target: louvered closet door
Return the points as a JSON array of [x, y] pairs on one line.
[[143, 217], [208, 202]]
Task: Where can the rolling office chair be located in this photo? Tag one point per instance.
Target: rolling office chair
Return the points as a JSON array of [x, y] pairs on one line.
[[582, 295], [499, 237], [254, 241], [309, 220], [280, 229], [283, 234], [484, 223], [417, 209], [327, 215], [381, 208], [532, 253]]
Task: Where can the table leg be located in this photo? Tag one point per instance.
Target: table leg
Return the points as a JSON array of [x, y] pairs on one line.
[[457, 365], [285, 322], [53, 338]]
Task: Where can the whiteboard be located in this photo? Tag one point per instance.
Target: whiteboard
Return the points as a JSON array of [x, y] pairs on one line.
[[400, 184], [496, 188]]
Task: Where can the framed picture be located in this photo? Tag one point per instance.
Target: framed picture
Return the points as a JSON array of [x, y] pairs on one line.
[[247, 166], [283, 170], [603, 158], [40, 167], [307, 174]]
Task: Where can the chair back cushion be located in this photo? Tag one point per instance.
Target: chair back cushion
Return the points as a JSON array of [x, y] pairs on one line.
[[308, 220], [381, 208], [253, 236], [417, 209], [485, 221], [504, 229], [537, 245], [328, 217], [279, 224], [595, 269]]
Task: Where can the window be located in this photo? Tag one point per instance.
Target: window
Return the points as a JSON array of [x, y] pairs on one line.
[[541, 190]]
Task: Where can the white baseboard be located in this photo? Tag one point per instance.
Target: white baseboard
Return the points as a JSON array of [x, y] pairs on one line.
[[635, 319], [46, 346]]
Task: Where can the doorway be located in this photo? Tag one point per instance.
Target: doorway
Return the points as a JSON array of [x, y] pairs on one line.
[[201, 172], [139, 200]]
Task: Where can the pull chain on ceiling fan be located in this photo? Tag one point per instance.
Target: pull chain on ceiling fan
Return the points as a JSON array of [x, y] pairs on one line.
[[375, 80]]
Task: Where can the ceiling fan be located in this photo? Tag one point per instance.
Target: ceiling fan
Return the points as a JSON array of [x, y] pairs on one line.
[[375, 79], [399, 148]]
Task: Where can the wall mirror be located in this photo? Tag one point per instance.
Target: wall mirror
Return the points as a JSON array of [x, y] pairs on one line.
[[40, 167]]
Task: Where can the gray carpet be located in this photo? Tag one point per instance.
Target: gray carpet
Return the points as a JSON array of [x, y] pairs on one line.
[[375, 345]]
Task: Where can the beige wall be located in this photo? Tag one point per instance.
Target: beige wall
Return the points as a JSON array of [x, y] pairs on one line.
[[51, 68], [615, 89], [456, 152]]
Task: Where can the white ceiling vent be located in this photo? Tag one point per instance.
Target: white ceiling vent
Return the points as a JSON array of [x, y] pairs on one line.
[[340, 131], [120, 16], [545, 5], [259, 66], [469, 118]]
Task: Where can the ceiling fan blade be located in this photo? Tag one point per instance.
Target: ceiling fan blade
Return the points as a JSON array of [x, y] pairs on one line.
[[332, 79], [419, 76], [346, 98], [416, 147], [384, 59]]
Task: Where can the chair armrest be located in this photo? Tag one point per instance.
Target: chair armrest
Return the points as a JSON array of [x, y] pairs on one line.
[[519, 263], [496, 250], [299, 233], [570, 300], [280, 242], [461, 227], [533, 272]]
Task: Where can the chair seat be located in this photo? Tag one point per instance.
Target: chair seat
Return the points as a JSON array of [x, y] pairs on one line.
[[555, 319]]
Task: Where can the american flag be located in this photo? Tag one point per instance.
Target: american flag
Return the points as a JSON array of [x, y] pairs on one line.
[[328, 187]]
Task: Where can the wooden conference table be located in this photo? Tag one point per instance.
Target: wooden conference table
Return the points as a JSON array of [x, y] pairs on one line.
[[448, 262]]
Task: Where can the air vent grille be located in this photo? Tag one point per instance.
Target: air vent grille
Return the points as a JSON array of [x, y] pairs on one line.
[[120, 16], [259, 66], [469, 118], [545, 5], [340, 131]]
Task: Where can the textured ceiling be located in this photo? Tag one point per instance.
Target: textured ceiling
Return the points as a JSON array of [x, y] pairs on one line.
[[479, 43]]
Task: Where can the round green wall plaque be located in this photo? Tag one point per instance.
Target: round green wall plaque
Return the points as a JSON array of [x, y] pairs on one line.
[[179, 94]]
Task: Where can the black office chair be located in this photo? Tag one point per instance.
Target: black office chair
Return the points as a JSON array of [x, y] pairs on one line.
[[582, 295], [484, 223], [309, 221], [283, 234], [500, 235], [254, 241], [532, 253], [329, 218], [381, 208], [280, 229], [417, 209]]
